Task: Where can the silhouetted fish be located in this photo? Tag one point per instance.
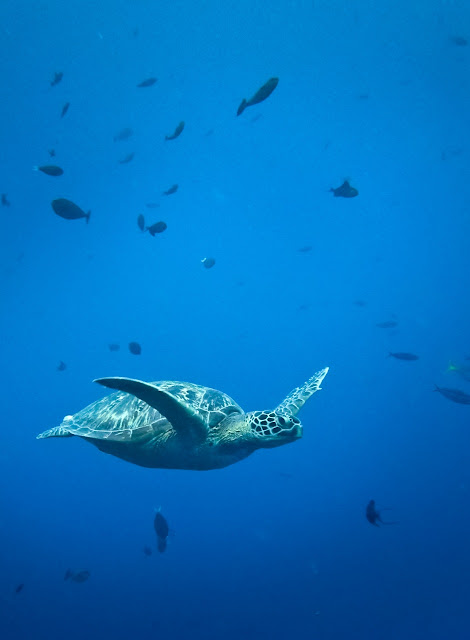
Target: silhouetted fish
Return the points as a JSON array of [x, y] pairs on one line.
[[147, 551], [345, 191], [373, 516], [172, 189], [264, 92], [176, 132], [306, 249], [157, 227], [162, 530], [77, 576], [147, 83], [68, 210], [388, 324], [5, 201], [128, 158], [135, 348], [114, 346], [58, 75], [141, 222], [152, 205], [65, 108], [51, 152], [61, 366], [460, 41], [456, 395], [124, 134], [400, 355], [208, 262], [19, 588], [50, 170]]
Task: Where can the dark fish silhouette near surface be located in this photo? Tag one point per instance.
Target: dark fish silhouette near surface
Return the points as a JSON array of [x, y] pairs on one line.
[[5, 201], [61, 366], [69, 210], [373, 516], [263, 92], [345, 191], [147, 83], [50, 170], [77, 576], [400, 355], [208, 262], [114, 346], [141, 222], [147, 551], [456, 395], [128, 158], [460, 41], [172, 189], [51, 152], [306, 249], [176, 132], [19, 588], [58, 75], [152, 205], [135, 348], [65, 108], [157, 227], [162, 530], [388, 324], [124, 134]]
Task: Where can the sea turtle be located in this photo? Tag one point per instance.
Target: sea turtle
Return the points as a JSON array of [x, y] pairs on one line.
[[179, 425]]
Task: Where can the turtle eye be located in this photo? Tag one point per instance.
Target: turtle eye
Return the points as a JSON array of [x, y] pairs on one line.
[[283, 421]]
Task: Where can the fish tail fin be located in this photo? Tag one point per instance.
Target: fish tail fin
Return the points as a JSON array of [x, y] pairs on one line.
[[242, 107], [88, 216]]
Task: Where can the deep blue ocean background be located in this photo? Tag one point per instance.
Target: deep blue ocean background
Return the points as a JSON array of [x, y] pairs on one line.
[[276, 546]]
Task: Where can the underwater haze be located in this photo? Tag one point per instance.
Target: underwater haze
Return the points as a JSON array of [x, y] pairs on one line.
[[326, 225]]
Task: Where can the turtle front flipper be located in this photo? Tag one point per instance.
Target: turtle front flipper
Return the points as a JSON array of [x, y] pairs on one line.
[[299, 396], [183, 418]]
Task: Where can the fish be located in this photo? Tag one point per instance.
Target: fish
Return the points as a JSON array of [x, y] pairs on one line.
[[152, 205], [306, 249], [61, 366], [373, 516], [77, 576], [124, 134], [388, 324], [460, 41], [69, 210], [263, 92], [462, 370], [176, 132], [345, 191], [208, 262], [172, 189], [65, 108], [58, 75], [162, 530], [147, 83], [135, 348], [5, 201], [128, 158], [147, 550], [157, 227], [360, 303], [19, 588], [51, 152], [50, 170], [400, 355], [141, 222], [113, 346], [456, 395]]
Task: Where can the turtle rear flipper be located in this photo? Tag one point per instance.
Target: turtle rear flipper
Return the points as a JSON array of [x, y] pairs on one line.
[[183, 417], [55, 432], [299, 396]]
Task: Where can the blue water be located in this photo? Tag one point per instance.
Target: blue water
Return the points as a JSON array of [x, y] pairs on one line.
[[276, 546]]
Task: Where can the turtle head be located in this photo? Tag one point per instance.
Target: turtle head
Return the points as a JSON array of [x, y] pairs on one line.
[[269, 429]]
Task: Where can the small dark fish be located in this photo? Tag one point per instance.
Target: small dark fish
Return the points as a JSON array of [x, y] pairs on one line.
[[373, 516], [128, 158], [124, 134], [68, 210], [152, 205], [61, 366], [208, 133], [19, 588], [157, 227], [147, 83], [147, 551], [65, 108], [141, 222], [208, 262], [114, 346], [388, 324], [264, 92], [50, 170], [77, 576], [58, 75], [403, 356], [51, 152], [360, 303], [172, 189], [176, 132], [306, 249], [460, 41], [345, 191], [162, 530], [135, 348], [5, 201], [456, 395], [363, 96]]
